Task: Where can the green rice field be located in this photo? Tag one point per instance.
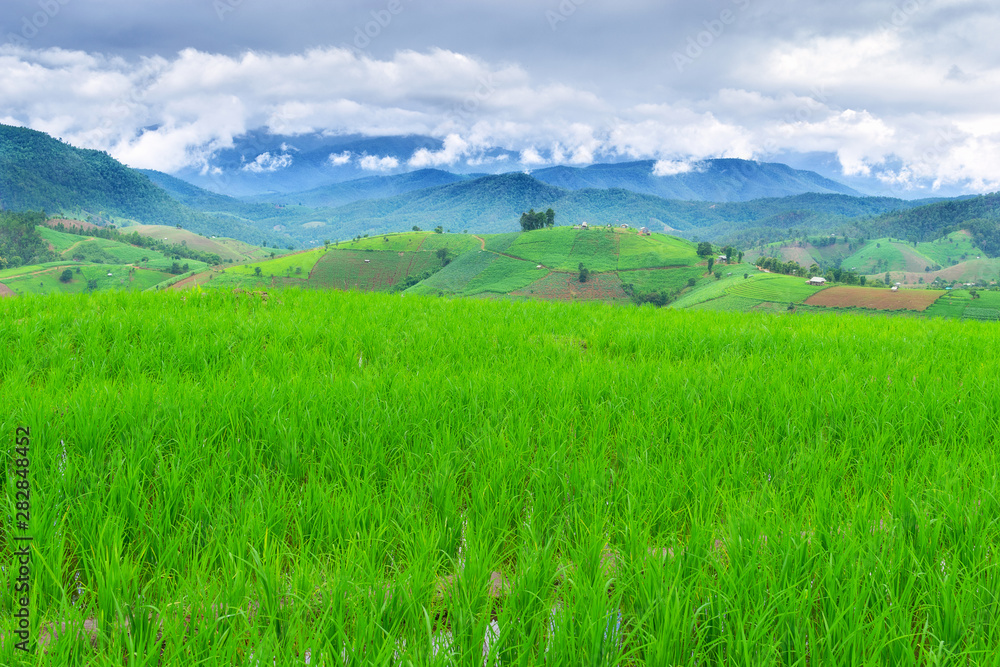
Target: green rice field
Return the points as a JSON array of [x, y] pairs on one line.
[[333, 478]]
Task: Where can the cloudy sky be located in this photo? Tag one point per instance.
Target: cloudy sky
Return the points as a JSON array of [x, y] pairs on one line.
[[904, 94]]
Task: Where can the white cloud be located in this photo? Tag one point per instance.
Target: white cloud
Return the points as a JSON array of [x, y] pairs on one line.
[[376, 163], [340, 159], [672, 168], [861, 94], [454, 149], [530, 157], [267, 163]]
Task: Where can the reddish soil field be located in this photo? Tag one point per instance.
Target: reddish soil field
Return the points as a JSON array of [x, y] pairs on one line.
[[6, 291], [876, 299], [567, 287]]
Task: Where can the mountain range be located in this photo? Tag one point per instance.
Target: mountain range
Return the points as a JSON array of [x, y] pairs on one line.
[[733, 200]]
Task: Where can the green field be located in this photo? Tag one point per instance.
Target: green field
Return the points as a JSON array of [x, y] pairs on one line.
[[960, 304], [565, 248], [413, 241], [948, 250], [767, 287], [666, 280], [217, 479], [504, 275], [49, 282], [369, 270], [637, 252], [296, 264]]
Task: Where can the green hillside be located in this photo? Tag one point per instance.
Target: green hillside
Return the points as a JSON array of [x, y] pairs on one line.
[[38, 172]]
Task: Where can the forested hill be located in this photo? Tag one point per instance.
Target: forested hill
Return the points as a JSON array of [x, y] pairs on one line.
[[38, 173], [979, 215], [20, 242]]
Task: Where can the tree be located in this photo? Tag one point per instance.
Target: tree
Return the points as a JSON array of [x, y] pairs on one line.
[[740, 260], [439, 230], [442, 254], [718, 275], [711, 263], [531, 220], [584, 273], [692, 282], [704, 249], [66, 276], [256, 271], [415, 228], [550, 218], [92, 284]]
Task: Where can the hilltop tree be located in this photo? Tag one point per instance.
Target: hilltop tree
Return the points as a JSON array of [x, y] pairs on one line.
[[704, 249], [550, 218], [531, 220]]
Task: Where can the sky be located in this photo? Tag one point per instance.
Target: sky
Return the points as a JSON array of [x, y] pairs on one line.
[[903, 95]]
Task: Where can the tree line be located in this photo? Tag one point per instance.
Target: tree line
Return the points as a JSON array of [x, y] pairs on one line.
[[136, 239]]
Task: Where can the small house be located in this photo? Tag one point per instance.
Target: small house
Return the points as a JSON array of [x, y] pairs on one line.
[[624, 226], [723, 258], [895, 288], [368, 261], [817, 281], [644, 231], [584, 225]]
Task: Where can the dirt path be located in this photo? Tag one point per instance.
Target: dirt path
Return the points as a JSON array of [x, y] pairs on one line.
[[188, 282], [482, 241], [6, 291]]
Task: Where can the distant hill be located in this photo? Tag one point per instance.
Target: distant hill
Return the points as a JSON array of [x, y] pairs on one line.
[[372, 187], [203, 200], [493, 204], [38, 172], [723, 180]]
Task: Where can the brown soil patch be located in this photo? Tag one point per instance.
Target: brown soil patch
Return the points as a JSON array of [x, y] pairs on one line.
[[876, 299], [71, 223], [799, 255], [6, 291]]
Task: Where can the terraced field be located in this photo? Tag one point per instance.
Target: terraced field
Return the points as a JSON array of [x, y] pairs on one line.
[[349, 270], [567, 287]]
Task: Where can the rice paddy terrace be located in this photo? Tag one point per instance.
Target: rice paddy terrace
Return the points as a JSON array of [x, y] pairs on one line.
[[340, 477]]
